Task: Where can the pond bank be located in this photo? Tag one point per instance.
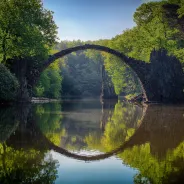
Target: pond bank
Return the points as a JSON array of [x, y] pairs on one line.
[[43, 100]]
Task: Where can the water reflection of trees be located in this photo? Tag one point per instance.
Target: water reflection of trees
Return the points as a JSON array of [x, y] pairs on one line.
[[159, 152], [26, 166], [120, 125], [49, 120], [154, 144], [8, 123], [155, 148], [20, 162], [76, 132]]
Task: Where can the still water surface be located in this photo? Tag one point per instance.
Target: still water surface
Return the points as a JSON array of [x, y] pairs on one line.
[[85, 141]]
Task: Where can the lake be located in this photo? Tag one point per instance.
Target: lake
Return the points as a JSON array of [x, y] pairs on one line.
[[85, 142]]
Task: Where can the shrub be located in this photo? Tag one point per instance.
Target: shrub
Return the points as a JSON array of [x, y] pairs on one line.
[[8, 84]]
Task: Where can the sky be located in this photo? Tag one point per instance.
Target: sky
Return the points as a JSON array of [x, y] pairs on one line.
[[92, 19]]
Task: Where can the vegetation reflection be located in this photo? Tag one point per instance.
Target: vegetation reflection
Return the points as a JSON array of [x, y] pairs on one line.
[[156, 146], [20, 162], [48, 118], [119, 127], [155, 142]]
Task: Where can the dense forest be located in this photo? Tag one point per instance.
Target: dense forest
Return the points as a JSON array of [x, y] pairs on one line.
[[27, 41]]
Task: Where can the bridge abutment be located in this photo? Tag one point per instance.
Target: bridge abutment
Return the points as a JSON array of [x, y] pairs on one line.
[[164, 80]]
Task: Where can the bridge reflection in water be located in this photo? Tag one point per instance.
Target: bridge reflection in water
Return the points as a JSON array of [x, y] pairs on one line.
[[149, 138]]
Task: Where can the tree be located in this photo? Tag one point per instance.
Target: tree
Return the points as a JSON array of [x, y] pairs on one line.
[[49, 84], [81, 74], [9, 84], [26, 29], [27, 32], [174, 14], [156, 32]]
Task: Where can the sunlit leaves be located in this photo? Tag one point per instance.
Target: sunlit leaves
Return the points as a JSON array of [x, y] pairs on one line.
[[26, 29], [50, 81], [26, 166], [49, 119], [150, 167], [117, 130]]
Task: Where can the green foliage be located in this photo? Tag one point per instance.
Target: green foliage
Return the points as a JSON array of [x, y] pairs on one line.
[[151, 32], [180, 4], [8, 84], [82, 72], [81, 76], [76, 134], [49, 120], [27, 32], [150, 167], [49, 84], [26, 29], [26, 164], [14, 166], [124, 79], [118, 128]]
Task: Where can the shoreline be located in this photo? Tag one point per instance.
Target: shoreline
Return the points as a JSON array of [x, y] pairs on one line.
[[43, 100]]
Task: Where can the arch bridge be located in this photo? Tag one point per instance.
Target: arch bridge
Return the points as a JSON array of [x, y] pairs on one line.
[[161, 79]]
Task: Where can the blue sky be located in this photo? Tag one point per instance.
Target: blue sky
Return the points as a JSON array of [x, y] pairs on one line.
[[92, 19]]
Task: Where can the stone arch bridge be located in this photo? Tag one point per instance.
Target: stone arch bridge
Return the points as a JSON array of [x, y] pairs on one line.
[[161, 79]]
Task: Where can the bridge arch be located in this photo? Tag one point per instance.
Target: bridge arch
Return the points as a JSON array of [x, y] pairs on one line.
[[139, 67]]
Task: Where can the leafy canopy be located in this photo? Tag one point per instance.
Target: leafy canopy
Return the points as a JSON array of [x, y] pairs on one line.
[[26, 28]]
